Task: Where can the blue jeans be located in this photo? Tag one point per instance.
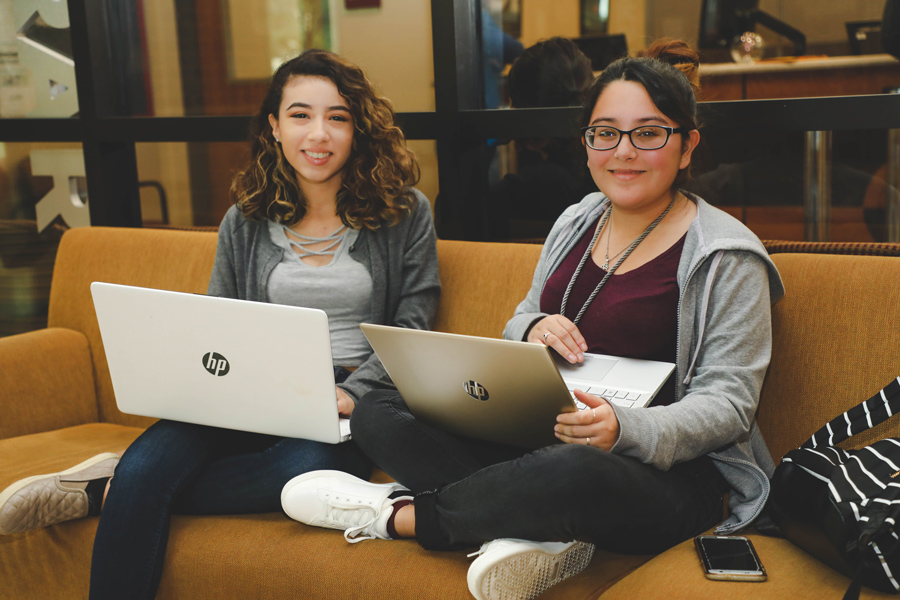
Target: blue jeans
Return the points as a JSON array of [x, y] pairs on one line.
[[181, 468], [469, 491]]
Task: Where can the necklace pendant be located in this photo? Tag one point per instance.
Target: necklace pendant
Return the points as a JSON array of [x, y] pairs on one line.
[[605, 266]]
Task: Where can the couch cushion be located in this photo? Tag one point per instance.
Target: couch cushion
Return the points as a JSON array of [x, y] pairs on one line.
[[269, 556], [164, 259], [241, 556], [792, 573], [57, 450], [46, 382], [835, 341], [53, 563]]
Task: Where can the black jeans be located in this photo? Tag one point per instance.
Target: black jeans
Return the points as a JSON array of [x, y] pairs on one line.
[[469, 491]]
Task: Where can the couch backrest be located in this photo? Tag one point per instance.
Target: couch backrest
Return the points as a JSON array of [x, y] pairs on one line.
[[166, 259], [836, 342], [481, 284], [836, 332]]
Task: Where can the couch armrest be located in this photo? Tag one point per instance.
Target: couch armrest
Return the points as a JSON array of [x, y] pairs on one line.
[[47, 382]]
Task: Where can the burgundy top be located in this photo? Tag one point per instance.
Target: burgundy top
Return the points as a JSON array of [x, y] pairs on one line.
[[635, 313]]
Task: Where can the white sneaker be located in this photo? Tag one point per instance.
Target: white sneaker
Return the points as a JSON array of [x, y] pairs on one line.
[[510, 569], [338, 500]]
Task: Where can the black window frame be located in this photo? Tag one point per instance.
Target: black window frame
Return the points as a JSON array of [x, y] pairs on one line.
[[104, 39]]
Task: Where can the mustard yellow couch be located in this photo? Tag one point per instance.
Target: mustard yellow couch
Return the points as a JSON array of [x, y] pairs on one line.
[[837, 335]]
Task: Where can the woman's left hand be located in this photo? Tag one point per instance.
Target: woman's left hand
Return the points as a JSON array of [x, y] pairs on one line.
[[595, 426], [345, 403]]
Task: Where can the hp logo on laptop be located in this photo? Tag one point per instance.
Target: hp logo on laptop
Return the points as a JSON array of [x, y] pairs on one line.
[[216, 364], [476, 390]]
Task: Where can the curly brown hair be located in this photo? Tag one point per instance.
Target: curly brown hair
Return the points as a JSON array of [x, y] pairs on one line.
[[376, 179]]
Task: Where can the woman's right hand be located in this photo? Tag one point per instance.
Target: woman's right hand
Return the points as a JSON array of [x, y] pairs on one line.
[[562, 335]]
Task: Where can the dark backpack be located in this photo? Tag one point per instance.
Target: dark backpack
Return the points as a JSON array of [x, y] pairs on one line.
[[842, 506]]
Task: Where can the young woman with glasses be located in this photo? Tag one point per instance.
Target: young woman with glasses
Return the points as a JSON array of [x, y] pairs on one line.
[[641, 269]]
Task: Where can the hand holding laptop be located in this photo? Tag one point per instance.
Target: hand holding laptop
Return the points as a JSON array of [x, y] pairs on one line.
[[507, 391], [562, 335], [345, 403], [597, 425]]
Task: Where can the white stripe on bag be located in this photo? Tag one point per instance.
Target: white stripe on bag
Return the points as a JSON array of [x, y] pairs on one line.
[[867, 472], [884, 565], [884, 458], [843, 469]]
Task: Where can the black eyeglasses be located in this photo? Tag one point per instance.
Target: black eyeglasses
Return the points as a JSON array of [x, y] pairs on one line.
[[649, 137]]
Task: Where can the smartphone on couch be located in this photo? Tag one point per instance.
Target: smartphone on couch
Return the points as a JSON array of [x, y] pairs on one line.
[[729, 558]]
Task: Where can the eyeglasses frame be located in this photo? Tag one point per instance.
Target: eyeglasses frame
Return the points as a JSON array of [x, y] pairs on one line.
[[622, 134]]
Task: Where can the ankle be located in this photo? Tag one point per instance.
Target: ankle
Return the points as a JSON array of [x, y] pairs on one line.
[[96, 493], [403, 521]]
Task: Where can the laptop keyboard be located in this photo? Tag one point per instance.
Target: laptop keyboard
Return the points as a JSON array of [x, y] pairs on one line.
[[623, 398]]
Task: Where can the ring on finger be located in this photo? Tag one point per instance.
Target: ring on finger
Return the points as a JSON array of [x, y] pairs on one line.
[[544, 337], [587, 441]]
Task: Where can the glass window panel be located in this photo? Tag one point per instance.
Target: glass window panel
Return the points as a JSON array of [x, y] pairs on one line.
[[536, 180], [37, 71], [212, 57], [860, 192], [844, 55], [260, 35], [759, 178], [824, 23], [26, 255], [188, 184], [164, 180], [426, 154]]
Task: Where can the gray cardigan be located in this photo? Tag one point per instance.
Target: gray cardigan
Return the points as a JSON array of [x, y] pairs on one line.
[[727, 285], [402, 260]]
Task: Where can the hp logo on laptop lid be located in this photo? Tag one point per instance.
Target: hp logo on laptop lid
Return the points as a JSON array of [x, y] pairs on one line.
[[216, 364], [476, 390]]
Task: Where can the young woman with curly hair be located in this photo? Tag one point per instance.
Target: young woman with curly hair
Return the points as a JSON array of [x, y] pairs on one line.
[[325, 217]]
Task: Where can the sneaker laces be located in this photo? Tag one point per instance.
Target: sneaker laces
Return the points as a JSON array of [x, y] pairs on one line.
[[359, 531]]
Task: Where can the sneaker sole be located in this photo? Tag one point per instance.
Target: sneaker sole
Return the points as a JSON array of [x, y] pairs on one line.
[[528, 574], [15, 487], [336, 474]]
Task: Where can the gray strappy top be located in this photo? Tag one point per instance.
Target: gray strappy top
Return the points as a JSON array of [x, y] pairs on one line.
[[342, 288]]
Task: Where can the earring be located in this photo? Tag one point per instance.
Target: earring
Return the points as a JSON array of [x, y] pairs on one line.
[[277, 140]]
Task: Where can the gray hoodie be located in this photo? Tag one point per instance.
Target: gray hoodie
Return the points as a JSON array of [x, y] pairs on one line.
[[727, 285]]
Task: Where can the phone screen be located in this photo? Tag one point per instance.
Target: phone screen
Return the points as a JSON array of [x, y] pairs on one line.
[[728, 554]]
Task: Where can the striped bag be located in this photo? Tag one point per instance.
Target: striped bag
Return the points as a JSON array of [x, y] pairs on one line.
[[841, 506]]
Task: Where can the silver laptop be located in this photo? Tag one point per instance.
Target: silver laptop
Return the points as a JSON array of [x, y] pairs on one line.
[[251, 366], [501, 390]]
